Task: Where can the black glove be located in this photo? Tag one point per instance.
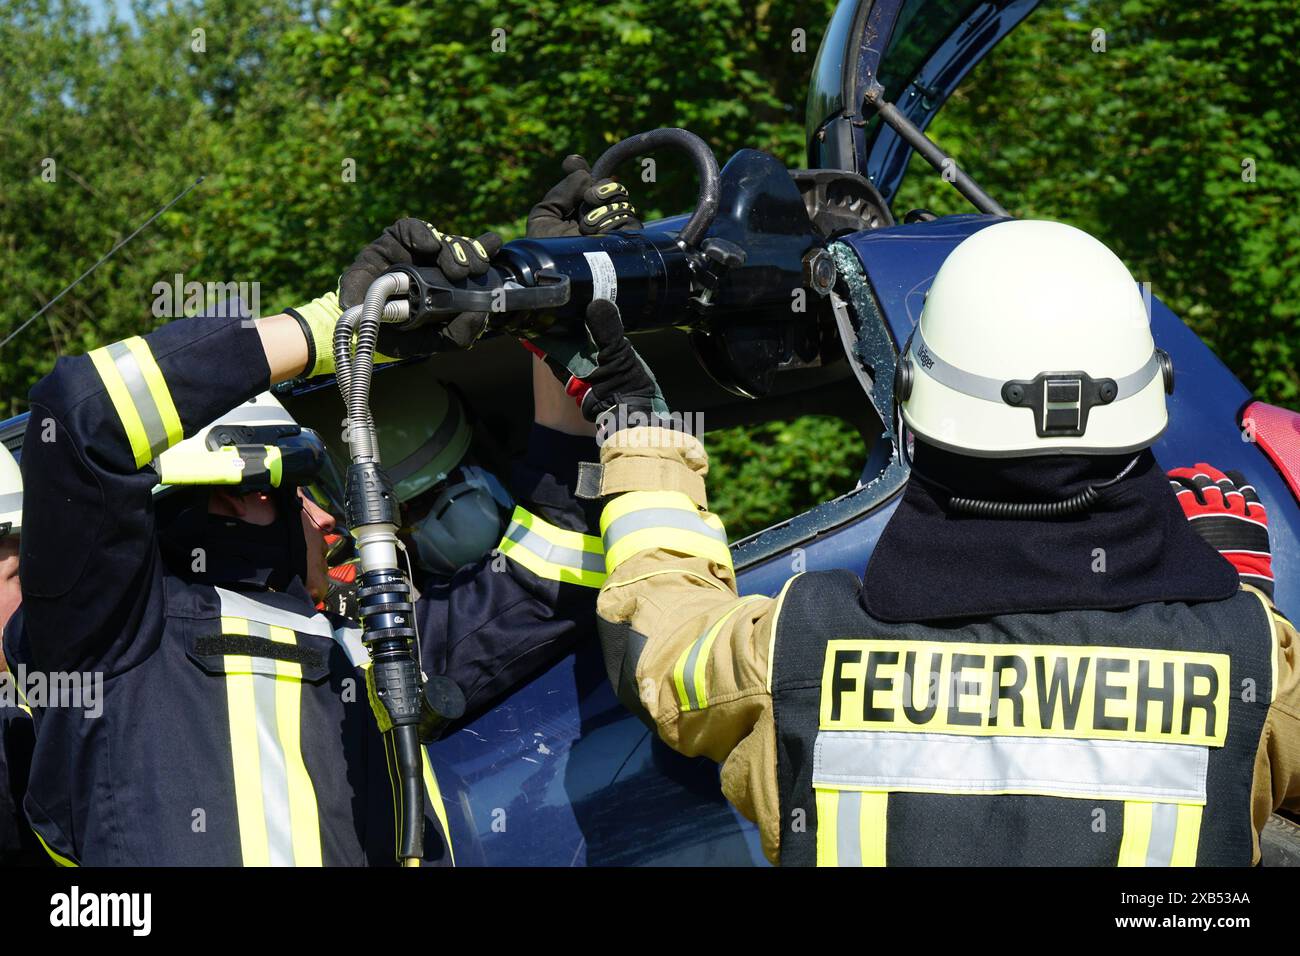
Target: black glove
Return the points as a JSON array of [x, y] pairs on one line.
[[416, 242], [577, 206], [620, 378]]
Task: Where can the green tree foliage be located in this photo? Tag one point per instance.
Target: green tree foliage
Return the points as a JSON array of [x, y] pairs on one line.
[[766, 473], [1151, 145], [319, 123]]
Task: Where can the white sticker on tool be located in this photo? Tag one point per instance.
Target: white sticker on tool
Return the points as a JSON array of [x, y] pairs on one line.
[[604, 280]]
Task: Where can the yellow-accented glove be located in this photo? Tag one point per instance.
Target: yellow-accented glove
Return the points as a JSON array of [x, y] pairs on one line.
[[317, 319]]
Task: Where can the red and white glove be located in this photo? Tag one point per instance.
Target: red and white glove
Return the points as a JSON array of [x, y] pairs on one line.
[[574, 387], [1225, 510]]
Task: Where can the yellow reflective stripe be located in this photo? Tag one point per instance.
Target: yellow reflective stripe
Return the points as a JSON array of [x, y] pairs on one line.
[[873, 826], [553, 553], [58, 858], [666, 539], [679, 677], [1187, 835], [707, 541], [771, 637], [1138, 847], [680, 572], [274, 465], [435, 797], [691, 670], [828, 811], [125, 407], [561, 537], [162, 395], [246, 761], [281, 714], [23, 703], [1137, 833], [304, 815], [199, 466]]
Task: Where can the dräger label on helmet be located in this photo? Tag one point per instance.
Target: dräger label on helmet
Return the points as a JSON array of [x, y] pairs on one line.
[[1025, 690]]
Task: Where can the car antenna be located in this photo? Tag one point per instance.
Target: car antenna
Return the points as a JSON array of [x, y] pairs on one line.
[[102, 259]]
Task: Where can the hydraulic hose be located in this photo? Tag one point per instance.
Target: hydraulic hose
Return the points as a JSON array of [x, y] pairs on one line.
[[384, 597], [706, 169]]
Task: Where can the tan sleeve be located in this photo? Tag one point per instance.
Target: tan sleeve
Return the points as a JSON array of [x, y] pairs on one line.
[[1276, 785], [700, 651]]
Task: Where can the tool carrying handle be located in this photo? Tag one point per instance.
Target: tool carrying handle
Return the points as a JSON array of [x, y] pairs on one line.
[[706, 168], [432, 294]]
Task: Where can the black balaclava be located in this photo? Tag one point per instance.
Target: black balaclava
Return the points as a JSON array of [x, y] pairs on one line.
[[235, 552], [1132, 546]]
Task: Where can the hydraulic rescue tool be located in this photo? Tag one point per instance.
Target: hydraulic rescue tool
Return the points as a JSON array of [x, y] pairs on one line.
[[729, 272]]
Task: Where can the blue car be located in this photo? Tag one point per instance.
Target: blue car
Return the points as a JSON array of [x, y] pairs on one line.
[[560, 774]]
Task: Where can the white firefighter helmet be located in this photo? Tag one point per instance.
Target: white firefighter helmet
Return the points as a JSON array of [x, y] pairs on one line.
[[11, 494], [256, 445], [1034, 340]]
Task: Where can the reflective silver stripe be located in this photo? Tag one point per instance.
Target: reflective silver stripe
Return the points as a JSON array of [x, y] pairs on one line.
[[270, 757], [129, 368], [659, 518], [1132, 384], [235, 604], [848, 829], [349, 638], [554, 553], [275, 777], [247, 414], [952, 763], [688, 672], [990, 389], [1164, 824]]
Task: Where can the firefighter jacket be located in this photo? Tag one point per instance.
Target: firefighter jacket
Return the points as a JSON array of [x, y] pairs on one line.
[[1163, 734], [208, 713]]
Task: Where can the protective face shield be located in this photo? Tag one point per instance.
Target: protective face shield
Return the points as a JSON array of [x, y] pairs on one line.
[[464, 522], [1034, 340], [11, 494]]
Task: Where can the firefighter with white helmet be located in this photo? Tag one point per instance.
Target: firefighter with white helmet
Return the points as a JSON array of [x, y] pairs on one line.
[[1040, 632]]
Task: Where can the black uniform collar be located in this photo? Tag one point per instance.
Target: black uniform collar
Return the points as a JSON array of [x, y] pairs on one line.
[[1134, 546]]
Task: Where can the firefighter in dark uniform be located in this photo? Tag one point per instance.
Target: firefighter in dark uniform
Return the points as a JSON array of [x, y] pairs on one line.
[[18, 844], [1045, 663], [235, 726]]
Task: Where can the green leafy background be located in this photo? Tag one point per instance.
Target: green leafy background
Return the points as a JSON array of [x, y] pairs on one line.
[[1143, 144]]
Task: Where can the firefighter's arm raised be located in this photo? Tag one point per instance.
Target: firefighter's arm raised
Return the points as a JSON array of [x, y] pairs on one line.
[[683, 650], [91, 587]]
